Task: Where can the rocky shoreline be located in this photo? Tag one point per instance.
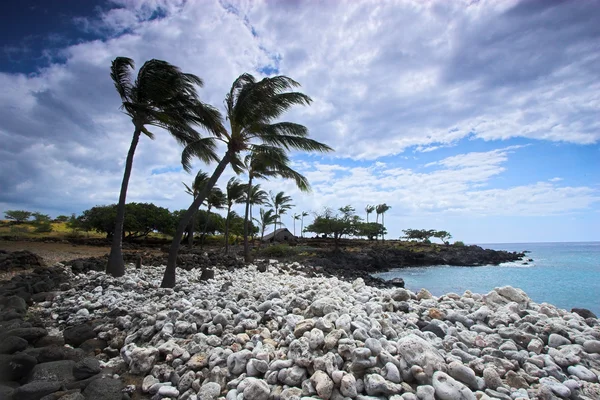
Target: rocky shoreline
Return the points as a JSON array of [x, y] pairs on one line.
[[288, 333]]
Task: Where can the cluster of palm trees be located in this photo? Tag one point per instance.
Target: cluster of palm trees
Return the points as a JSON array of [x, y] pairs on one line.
[[257, 143], [380, 209]]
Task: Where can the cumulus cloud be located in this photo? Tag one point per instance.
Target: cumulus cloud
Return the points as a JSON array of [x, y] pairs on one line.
[[384, 76]]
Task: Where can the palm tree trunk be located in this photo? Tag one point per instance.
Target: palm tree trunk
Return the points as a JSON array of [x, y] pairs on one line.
[[294, 227], [383, 223], [191, 232], [115, 265], [227, 230], [302, 226], [275, 223], [246, 222], [205, 229], [170, 271]]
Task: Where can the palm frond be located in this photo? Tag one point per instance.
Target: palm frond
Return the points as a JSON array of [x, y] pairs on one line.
[[203, 149], [290, 142], [120, 72]]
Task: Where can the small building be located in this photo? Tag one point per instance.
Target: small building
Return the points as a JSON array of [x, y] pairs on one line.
[[281, 235]]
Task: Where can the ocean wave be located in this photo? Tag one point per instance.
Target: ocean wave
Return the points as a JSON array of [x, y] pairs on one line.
[[516, 264]]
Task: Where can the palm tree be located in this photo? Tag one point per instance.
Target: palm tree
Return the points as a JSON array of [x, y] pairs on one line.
[[304, 214], [280, 203], [251, 108], [264, 162], [164, 97], [369, 209], [216, 199], [257, 197], [266, 218], [295, 217], [381, 209], [235, 192], [199, 182]]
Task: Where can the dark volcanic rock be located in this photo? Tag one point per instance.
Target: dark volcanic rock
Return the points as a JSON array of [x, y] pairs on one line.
[[85, 368], [584, 312], [35, 390], [59, 371], [21, 259], [12, 344], [13, 303], [15, 367], [29, 334], [78, 334], [104, 389]]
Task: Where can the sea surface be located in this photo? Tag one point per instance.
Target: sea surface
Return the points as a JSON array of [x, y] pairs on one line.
[[564, 274]]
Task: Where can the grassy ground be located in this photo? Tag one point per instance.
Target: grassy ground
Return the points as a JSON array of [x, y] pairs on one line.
[[27, 230]]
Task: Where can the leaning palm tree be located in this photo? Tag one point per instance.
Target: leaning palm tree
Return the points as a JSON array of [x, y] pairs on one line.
[[199, 182], [234, 193], [381, 209], [369, 209], [251, 108], [281, 204], [264, 162], [304, 214], [164, 97], [257, 196]]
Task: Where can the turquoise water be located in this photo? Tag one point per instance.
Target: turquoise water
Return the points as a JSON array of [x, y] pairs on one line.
[[564, 274]]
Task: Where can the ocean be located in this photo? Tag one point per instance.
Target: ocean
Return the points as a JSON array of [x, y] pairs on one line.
[[566, 275]]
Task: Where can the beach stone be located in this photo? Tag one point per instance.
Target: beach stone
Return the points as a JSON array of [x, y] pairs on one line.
[[141, 359], [168, 391], [303, 326], [76, 335], [391, 373], [556, 387], [591, 346], [35, 390], [148, 382], [236, 362], [59, 371], [582, 373], [515, 380], [401, 295], [424, 294], [348, 386], [555, 340], [29, 334], [16, 366], [322, 384], [463, 374], [291, 394], [85, 368], [256, 367], [12, 344], [492, 378], [209, 391], [416, 351], [255, 389], [323, 306], [197, 361], [434, 328], [536, 346], [104, 389], [426, 392], [447, 388], [377, 385], [584, 312]]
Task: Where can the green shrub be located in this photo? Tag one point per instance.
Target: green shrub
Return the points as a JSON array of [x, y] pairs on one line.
[[279, 250], [459, 243], [19, 229], [44, 227]]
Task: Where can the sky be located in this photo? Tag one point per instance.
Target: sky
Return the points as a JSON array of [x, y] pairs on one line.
[[481, 118]]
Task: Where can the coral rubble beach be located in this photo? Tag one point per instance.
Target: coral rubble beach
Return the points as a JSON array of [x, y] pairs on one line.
[[287, 333]]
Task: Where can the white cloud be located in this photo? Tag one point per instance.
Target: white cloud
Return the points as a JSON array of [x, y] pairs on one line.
[[384, 76]]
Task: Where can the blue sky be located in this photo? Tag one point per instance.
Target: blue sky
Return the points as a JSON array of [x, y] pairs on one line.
[[480, 118]]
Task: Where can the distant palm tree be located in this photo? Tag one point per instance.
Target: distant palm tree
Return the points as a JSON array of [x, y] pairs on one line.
[[199, 182], [304, 214], [164, 97], [264, 162], [369, 209], [281, 204], [235, 192], [381, 209], [295, 217], [266, 218], [216, 199], [257, 197], [252, 107]]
